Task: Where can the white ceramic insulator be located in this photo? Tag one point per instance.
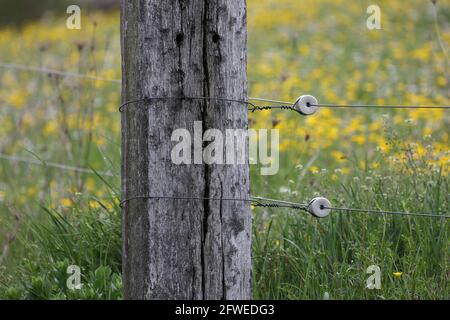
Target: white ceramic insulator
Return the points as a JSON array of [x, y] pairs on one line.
[[306, 105], [319, 207]]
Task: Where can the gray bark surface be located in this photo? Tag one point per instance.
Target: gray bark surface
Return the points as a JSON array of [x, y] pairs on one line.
[[183, 249]]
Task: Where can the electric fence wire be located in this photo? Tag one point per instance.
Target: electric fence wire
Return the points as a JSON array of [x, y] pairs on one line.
[[286, 106], [44, 163], [281, 104], [256, 201], [253, 107], [275, 203], [371, 211], [20, 67], [276, 104]]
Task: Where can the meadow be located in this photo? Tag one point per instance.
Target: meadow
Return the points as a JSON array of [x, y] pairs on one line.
[[383, 159]]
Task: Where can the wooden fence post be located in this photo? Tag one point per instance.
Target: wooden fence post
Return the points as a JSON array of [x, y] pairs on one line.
[[183, 249]]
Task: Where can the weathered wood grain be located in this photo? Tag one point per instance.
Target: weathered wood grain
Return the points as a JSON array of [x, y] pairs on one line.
[[183, 249]]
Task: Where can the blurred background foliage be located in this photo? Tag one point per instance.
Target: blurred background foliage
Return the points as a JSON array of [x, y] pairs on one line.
[[18, 12]]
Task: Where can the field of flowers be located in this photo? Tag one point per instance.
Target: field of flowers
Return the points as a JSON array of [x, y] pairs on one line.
[[365, 158]]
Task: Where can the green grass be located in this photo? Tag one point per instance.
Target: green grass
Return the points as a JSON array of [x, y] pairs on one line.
[[295, 256], [298, 257], [89, 239]]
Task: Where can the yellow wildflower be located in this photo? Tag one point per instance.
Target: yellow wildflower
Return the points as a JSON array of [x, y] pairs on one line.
[[338, 156], [66, 202], [359, 139], [32, 191], [50, 128], [94, 204], [17, 99], [90, 184], [314, 169]]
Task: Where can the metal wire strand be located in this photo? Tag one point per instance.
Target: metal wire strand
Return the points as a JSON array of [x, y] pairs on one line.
[[261, 108], [284, 104], [44, 163], [372, 211], [149, 99], [325, 105], [330, 105], [256, 201], [253, 107], [275, 203], [20, 67]]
